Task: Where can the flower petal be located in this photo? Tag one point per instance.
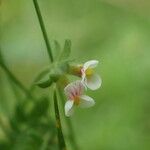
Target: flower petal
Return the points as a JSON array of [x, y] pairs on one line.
[[74, 89], [90, 64], [93, 82], [86, 101], [68, 89], [69, 108]]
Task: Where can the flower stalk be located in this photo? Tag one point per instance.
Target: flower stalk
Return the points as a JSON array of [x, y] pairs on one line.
[[62, 145]]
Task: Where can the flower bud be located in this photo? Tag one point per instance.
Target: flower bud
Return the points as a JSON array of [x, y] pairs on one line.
[[75, 70]]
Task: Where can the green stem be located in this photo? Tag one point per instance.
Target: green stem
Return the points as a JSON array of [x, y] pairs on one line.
[[15, 80], [68, 123], [2, 62], [41, 22], [62, 145], [4, 128], [61, 140]]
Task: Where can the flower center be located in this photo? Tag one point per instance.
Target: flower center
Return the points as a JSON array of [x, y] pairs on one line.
[[89, 72], [76, 100]]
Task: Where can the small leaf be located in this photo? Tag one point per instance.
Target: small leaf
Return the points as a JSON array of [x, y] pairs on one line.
[[54, 77], [42, 74], [43, 79], [56, 49], [66, 51], [44, 83]]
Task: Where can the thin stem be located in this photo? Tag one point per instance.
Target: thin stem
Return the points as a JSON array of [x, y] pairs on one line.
[[15, 80], [68, 123], [41, 22], [13, 86], [62, 145], [61, 140], [4, 128]]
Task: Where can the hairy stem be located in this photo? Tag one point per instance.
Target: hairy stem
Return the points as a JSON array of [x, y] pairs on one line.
[[62, 145], [41, 22]]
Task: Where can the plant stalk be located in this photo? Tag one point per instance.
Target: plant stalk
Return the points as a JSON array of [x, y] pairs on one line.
[[13, 78], [62, 145], [41, 22]]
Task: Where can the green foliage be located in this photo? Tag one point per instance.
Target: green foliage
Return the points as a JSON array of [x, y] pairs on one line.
[[52, 74], [27, 140], [45, 82], [115, 32], [30, 125], [40, 108], [43, 79], [58, 68]]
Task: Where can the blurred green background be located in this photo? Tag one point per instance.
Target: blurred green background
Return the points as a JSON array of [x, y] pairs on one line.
[[115, 32]]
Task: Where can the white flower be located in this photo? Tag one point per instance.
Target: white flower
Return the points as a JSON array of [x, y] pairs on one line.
[[89, 78], [74, 92]]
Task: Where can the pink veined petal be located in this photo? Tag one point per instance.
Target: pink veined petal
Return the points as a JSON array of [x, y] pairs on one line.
[[74, 89], [70, 91], [80, 87], [69, 108], [90, 64], [67, 89], [93, 82], [86, 101]]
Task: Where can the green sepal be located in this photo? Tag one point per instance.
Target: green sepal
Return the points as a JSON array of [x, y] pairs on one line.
[[45, 79], [66, 50], [56, 48], [55, 77]]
